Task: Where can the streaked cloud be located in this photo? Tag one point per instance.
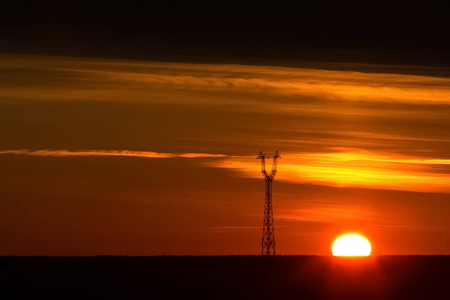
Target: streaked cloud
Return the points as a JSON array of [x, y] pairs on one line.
[[230, 229], [89, 79], [350, 169], [328, 213], [380, 129], [192, 132], [127, 153], [340, 169]]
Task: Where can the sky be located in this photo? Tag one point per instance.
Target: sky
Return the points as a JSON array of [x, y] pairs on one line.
[[121, 150]]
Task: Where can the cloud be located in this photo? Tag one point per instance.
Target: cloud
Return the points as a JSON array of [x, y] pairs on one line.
[[339, 169], [89, 79], [354, 169], [359, 126], [366, 128], [328, 213], [228, 229], [127, 153]]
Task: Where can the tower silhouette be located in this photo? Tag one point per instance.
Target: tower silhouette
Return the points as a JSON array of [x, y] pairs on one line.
[[268, 238]]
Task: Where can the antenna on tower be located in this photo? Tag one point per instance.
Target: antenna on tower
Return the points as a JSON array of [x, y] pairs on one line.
[[268, 238]]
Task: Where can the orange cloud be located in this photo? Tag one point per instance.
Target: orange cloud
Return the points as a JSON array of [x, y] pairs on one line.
[[339, 169], [115, 80], [328, 212], [346, 169], [324, 98], [127, 153]]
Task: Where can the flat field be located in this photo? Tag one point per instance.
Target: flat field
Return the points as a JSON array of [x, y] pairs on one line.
[[225, 277]]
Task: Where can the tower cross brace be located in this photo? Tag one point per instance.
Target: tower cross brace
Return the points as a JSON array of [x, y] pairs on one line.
[[268, 238]]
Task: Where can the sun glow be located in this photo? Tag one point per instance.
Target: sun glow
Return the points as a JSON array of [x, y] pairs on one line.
[[351, 245]]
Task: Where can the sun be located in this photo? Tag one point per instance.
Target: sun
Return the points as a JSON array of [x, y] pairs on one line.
[[351, 245]]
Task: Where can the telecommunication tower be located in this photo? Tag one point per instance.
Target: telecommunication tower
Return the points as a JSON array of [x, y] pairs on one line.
[[268, 238]]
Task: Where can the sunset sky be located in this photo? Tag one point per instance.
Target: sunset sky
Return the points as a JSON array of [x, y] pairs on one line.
[[124, 153]]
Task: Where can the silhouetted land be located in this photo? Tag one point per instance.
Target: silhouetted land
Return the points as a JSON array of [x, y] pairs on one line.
[[225, 277]]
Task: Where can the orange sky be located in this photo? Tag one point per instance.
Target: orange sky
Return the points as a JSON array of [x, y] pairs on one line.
[[148, 158]]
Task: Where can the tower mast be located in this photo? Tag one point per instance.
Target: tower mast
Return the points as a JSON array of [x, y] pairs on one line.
[[268, 238]]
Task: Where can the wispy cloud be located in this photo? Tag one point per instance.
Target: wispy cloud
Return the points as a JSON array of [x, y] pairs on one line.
[[370, 127], [327, 213], [341, 169], [127, 153], [360, 169], [409, 227], [227, 229], [85, 79], [340, 128]]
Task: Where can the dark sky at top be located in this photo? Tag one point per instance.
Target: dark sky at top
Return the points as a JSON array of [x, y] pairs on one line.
[[227, 32]]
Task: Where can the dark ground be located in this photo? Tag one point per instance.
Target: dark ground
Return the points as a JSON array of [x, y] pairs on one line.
[[225, 277]]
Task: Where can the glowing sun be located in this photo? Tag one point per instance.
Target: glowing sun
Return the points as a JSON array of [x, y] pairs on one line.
[[351, 245]]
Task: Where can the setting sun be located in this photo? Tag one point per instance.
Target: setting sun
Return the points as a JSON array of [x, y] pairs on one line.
[[351, 245]]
